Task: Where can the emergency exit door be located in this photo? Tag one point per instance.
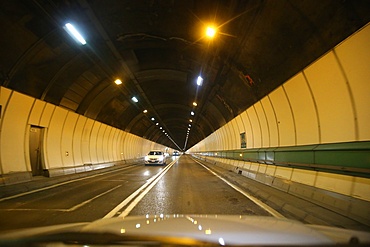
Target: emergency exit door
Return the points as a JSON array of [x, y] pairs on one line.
[[35, 150]]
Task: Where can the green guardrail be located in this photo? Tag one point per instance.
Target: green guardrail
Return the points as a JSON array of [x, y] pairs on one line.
[[350, 158]]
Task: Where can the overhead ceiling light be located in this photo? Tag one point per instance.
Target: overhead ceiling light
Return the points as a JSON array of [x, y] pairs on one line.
[[190, 120], [192, 113], [199, 81], [118, 81], [157, 124], [195, 104], [134, 99], [145, 111], [152, 119], [210, 32], [71, 30]]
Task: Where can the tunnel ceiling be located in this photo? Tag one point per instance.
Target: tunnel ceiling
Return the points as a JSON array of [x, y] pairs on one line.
[[158, 48]]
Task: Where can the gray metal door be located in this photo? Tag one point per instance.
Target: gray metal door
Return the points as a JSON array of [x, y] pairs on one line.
[[35, 150]]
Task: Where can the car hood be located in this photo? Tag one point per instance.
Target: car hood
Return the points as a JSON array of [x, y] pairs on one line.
[[214, 229]]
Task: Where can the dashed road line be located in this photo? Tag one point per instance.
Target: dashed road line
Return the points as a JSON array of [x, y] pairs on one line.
[[57, 185]]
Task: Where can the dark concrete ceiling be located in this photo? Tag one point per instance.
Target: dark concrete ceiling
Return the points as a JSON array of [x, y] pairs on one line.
[[158, 49]]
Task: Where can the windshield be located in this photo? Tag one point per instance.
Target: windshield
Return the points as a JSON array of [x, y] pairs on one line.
[[155, 153]]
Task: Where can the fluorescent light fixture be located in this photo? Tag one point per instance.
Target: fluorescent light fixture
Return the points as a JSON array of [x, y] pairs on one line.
[[192, 113], [71, 30], [134, 99], [145, 111], [195, 104], [152, 119], [199, 81], [118, 81]]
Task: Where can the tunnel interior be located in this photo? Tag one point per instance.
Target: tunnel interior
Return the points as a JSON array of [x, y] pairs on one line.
[[158, 49]]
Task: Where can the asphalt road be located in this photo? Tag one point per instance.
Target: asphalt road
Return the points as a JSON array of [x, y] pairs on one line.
[[181, 187]]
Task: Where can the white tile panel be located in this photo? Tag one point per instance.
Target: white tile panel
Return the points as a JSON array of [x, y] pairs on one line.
[[47, 114], [36, 112], [13, 131], [361, 188], [263, 124], [257, 135], [304, 176], [354, 57], [53, 145], [331, 95], [287, 135], [304, 110], [67, 139], [335, 182], [283, 172], [271, 121], [77, 140], [248, 129]]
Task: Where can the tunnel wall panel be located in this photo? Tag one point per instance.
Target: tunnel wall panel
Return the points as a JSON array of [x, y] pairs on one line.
[[36, 113], [106, 148], [94, 137], [361, 188], [334, 182], [241, 128], [121, 145], [354, 58], [255, 126], [304, 110], [99, 145], [86, 139], [77, 143], [70, 143], [53, 145], [271, 121], [248, 129], [226, 138], [126, 148], [306, 177], [332, 98], [13, 128], [67, 136], [113, 149], [287, 133], [46, 115], [265, 138], [232, 134]]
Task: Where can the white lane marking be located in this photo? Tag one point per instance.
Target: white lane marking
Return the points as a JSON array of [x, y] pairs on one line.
[[153, 179], [141, 196], [63, 210], [91, 199], [60, 184], [264, 206]]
